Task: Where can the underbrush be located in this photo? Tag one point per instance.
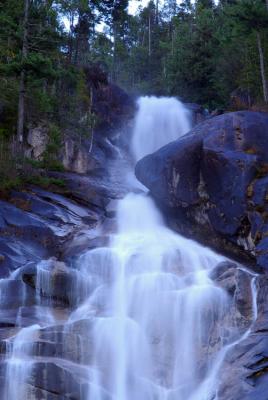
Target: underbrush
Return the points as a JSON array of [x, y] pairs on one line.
[[18, 171]]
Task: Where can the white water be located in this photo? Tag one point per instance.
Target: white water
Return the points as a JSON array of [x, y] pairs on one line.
[[19, 363], [151, 308], [150, 316], [158, 122], [155, 308]]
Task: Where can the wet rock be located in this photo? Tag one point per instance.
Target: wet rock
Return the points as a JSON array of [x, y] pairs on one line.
[[244, 371], [14, 294], [53, 280], [17, 252], [23, 224], [61, 379], [54, 207], [94, 192], [82, 242], [215, 178], [72, 342], [23, 316]]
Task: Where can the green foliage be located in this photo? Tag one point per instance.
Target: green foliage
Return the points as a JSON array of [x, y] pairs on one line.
[[199, 51], [44, 181], [16, 171], [50, 156]]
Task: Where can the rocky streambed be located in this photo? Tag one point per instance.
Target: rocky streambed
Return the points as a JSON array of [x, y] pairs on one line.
[[211, 184]]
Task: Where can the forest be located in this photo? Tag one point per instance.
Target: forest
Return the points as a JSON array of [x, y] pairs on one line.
[[133, 199], [200, 52], [55, 53]]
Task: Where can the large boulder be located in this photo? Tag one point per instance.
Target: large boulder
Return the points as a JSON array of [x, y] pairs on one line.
[[216, 179]]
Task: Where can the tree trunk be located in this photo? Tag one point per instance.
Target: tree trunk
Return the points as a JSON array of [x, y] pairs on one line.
[[70, 55], [21, 105], [157, 12], [267, 4], [262, 68], [150, 39]]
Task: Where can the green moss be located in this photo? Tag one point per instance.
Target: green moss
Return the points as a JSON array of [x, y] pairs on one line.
[[45, 181], [47, 164], [8, 184]]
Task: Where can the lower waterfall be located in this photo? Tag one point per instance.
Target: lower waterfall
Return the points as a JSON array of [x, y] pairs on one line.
[[152, 325]]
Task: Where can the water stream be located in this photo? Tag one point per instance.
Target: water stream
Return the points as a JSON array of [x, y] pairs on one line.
[[156, 322]]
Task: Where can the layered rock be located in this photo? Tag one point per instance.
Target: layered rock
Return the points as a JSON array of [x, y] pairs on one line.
[[39, 229], [213, 181]]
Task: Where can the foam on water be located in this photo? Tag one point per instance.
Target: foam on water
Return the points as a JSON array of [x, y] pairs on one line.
[[160, 120], [150, 308]]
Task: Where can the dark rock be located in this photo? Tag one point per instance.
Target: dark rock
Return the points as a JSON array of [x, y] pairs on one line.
[[222, 270], [216, 177], [240, 99], [14, 294], [82, 242], [16, 252], [61, 379], [65, 209], [26, 225], [93, 191], [199, 114], [53, 280]]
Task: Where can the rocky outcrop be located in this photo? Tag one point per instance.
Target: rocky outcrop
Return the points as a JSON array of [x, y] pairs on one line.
[[213, 182], [83, 148], [36, 224], [37, 139], [42, 234], [111, 104]]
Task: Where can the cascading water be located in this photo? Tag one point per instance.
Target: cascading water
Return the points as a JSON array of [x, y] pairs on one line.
[[155, 309], [158, 122], [152, 313], [153, 324]]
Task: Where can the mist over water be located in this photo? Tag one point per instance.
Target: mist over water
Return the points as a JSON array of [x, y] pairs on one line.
[[159, 120]]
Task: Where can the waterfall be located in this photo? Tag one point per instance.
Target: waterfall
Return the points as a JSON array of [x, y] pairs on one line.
[[152, 315], [158, 122], [154, 310], [149, 323]]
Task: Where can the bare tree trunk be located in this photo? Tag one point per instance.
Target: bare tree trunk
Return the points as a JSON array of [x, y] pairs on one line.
[[267, 4], [21, 105], [262, 68], [157, 12], [114, 62], [150, 39], [70, 55]]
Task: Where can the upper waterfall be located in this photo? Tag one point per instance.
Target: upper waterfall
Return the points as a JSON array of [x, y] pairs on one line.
[[159, 120]]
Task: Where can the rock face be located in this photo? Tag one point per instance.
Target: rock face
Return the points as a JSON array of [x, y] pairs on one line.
[[83, 152], [37, 139], [244, 371], [215, 179], [42, 234], [112, 105], [36, 224]]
